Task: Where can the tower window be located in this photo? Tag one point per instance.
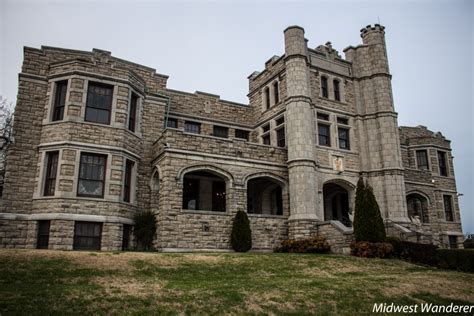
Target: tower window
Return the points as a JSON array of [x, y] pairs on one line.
[[127, 184], [276, 92], [99, 103], [267, 98], [133, 112], [281, 137], [59, 100], [344, 142], [51, 172], [422, 159], [448, 208], [443, 169], [324, 87], [324, 135], [92, 175], [337, 93]]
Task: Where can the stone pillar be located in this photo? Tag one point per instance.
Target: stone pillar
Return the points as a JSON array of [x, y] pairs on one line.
[[301, 137], [381, 159]]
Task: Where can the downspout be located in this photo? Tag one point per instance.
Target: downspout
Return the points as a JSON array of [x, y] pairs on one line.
[[168, 105]]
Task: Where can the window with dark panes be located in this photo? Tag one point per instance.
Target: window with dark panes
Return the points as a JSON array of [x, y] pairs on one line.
[[337, 92], [127, 183], [422, 159], [266, 128], [322, 116], [91, 175], [126, 232], [276, 92], [99, 103], [281, 137], [324, 87], [132, 117], [448, 208], [87, 236], [443, 167], [51, 173], [190, 194], [192, 127], [220, 131], [43, 235], [172, 123], [242, 134], [324, 135], [59, 100], [344, 142], [267, 98], [453, 242], [280, 121], [266, 139], [342, 120]]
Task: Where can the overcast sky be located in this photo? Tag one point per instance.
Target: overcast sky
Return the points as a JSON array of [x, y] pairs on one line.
[[214, 46]]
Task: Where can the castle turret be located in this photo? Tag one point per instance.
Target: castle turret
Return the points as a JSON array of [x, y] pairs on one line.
[[377, 125], [301, 136]]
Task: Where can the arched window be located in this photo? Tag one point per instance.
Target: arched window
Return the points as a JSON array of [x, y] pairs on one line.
[[267, 98], [264, 196], [337, 92], [276, 92], [324, 87], [204, 191], [336, 203], [417, 206]]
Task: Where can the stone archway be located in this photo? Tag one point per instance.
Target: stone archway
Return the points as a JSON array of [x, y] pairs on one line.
[[264, 196], [336, 203], [417, 206]]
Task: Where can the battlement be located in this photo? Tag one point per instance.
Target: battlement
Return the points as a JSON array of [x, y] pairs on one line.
[[369, 28]]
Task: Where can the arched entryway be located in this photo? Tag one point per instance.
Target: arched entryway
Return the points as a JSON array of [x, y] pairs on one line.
[[264, 196], [336, 203], [417, 207], [205, 191]]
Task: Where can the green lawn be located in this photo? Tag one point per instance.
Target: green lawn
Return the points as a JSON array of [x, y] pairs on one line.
[[56, 282]]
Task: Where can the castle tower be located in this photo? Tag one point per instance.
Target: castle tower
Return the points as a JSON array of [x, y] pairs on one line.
[[301, 136], [380, 154]]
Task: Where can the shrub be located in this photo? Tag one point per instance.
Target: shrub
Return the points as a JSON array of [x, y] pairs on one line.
[[418, 253], [145, 228], [368, 222], [316, 244], [241, 236], [457, 259], [367, 249], [396, 244]]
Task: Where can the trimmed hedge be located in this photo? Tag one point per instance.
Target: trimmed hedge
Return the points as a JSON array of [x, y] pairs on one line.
[[469, 243], [456, 259], [241, 235], [396, 244], [418, 253], [316, 244], [367, 249]]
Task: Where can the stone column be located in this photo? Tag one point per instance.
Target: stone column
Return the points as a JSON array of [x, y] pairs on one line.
[[301, 137]]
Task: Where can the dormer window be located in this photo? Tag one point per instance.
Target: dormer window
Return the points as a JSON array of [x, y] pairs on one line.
[[276, 92], [337, 92], [324, 87]]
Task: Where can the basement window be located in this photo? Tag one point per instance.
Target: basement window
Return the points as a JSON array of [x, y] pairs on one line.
[[204, 191], [87, 236]]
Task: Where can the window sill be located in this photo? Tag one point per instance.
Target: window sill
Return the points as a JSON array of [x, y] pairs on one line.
[[205, 212], [267, 216]]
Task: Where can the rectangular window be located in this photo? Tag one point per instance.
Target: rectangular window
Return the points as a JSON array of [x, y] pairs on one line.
[[324, 87], [266, 139], [92, 175], [242, 134], [453, 242], [266, 128], [276, 92], [172, 123], [281, 137], [43, 235], [51, 173], [127, 183], [324, 135], [342, 120], [322, 116], [127, 230], [59, 100], [344, 142], [337, 92], [448, 208], [443, 168], [99, 103], [220, 131], [133, 112], [280, 120], [191, 191], [87, 236], [192, 127], [422, 159], [267, 98]]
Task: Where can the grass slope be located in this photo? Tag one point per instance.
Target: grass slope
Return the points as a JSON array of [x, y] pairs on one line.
[[54, 282]]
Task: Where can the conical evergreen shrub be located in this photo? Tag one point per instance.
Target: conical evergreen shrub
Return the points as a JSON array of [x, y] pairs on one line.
[[241, 236], [144, 229], [368, 222]]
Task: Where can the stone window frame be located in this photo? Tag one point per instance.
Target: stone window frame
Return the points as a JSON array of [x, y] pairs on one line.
[[139, 111], [133, 181], [42, 173], [51, 94], [347, 126], [329, 124], [267, 104], [330, 83], [427, 150], [107, 162], [446, 160], [453, 209]]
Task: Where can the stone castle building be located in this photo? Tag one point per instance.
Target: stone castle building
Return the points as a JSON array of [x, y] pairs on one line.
[[98, 138]]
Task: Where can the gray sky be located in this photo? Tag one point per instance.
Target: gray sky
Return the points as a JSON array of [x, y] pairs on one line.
[[214, 46]]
